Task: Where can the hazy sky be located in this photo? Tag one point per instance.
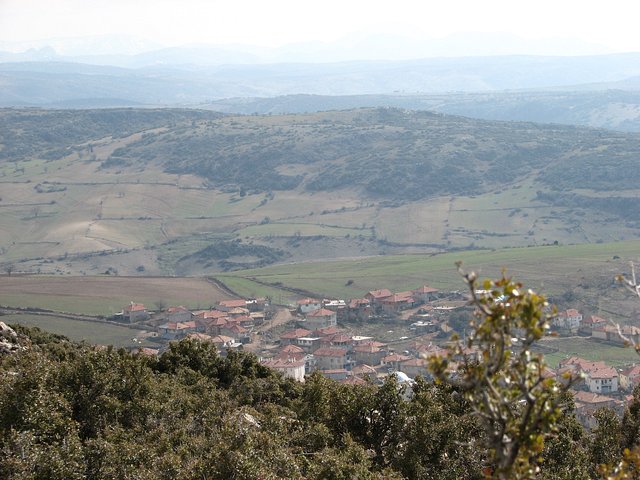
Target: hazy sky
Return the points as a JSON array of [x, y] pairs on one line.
[[612, 24]]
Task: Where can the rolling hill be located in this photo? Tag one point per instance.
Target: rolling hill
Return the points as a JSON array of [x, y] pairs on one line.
[[153, 191]]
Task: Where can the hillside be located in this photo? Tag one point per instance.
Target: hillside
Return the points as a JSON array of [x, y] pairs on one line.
[[615, 106], [141, 192]]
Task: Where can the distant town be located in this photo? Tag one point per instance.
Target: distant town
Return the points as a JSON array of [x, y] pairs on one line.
[[323, 335]]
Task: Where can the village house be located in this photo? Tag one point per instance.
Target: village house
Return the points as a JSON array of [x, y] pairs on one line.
[[331, 358], [337, 340], [364, 371], [567, 320], [176, 330], [224, 343], [177, 314], [598, 377], [307, 305], [135, 312], [338, 374], [587, 403], [236, 331], [610, 333], [353, 380], [201, 337], [375, 296], [359, 309], [393, 361], [602, 380], [290, 337], [290, 368], [397, 302], [588, 324], [320, 319], [226, 305], [630, 377], [415, 367], [308, 344], [368, 353], [425, 294], [326, 331]]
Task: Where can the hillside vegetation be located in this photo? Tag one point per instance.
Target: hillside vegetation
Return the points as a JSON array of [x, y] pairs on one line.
[[610, 105], [145, 192]]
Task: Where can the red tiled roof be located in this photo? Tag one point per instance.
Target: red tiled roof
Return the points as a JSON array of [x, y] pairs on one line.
[[357, 302], [425, 289], [593, 319], [351, 380], [366, 348], [232, 303], [282, 364], [396, 298], [590, 398], [339, 338], [235, 328], [607, 372], [308, 301], [211, 314], [297, 333], [291, 349], [416, 362], [395, 357], [378, 294], [134, 307], [326, 331]]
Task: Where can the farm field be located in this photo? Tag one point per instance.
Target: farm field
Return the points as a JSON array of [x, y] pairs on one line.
[[549, 269], [590, 350], [105, 295], [78, 330]]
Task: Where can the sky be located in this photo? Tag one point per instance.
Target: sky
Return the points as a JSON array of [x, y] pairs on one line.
[[610, 26]]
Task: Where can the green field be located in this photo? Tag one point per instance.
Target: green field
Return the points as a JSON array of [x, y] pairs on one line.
[[105, 295], [551, 269], [589, 350], [91, 332]]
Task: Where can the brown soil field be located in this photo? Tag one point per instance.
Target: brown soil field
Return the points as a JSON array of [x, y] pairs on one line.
[[105, 295]]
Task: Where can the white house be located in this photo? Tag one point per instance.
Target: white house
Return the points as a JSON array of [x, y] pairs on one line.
[[570, 320], [290, 367], [307, 305], [602, 380]]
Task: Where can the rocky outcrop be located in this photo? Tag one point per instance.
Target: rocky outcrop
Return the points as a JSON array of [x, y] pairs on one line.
[[8, 340]]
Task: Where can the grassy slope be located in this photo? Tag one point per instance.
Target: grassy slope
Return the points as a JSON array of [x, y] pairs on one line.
[[91, 332], [104, 295], [552, 269]]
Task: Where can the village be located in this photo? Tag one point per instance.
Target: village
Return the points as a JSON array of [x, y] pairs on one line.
[[324, 335]]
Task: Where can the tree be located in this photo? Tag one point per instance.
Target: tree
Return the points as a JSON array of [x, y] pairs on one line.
[[9, 268], [502, 378]]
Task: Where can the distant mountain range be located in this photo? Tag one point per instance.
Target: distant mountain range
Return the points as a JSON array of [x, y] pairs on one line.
[[598, 91], [47, 83]]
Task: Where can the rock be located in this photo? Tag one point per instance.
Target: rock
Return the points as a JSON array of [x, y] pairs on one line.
[[8, 340]]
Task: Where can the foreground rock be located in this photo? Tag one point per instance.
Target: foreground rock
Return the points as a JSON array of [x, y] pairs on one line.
[[8, 340]]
